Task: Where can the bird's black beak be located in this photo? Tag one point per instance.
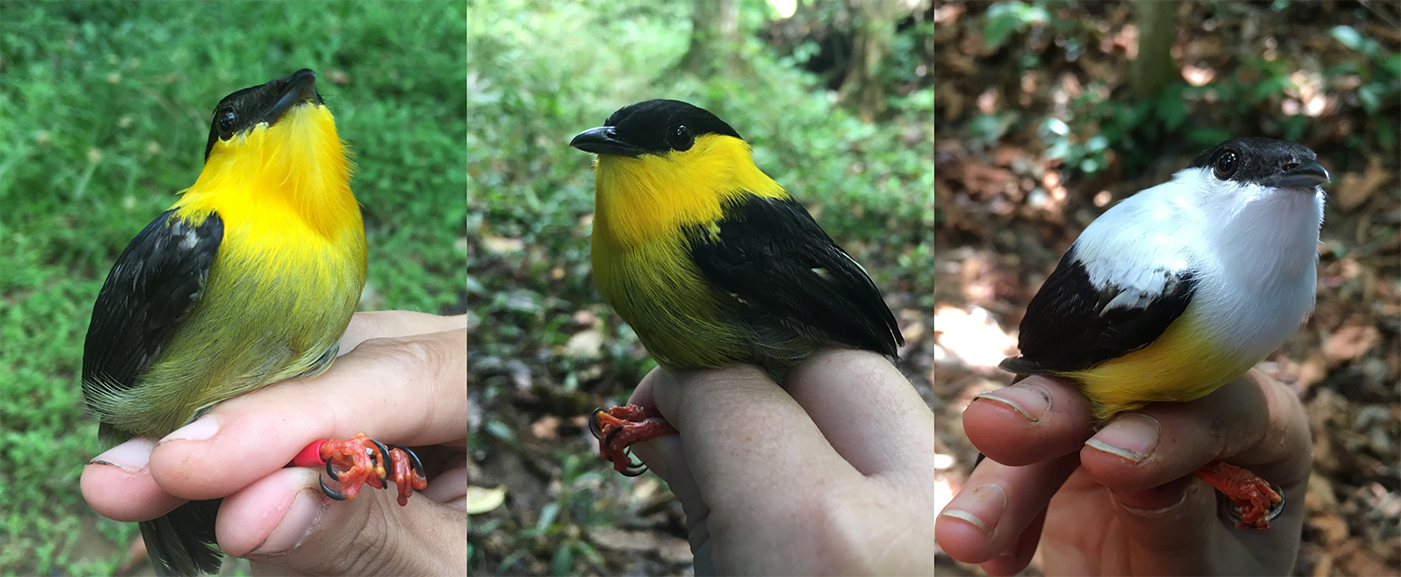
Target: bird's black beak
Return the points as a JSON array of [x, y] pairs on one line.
[[604, 140], [1308, 174], [300, 87]]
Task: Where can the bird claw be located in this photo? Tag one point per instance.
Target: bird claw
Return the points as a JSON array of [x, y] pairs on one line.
[[360, 460], [1243, 497], [619, 428]]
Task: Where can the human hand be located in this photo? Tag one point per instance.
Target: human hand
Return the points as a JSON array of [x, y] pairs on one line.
[[1105, 514], [830, 476], [401, 378]]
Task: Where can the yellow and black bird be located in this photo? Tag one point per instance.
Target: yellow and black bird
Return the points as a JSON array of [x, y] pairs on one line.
[[710, 261], [249, 279]]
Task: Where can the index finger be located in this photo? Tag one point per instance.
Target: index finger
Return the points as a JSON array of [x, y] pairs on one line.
[[868, 411], [743, 435], [370, 390]]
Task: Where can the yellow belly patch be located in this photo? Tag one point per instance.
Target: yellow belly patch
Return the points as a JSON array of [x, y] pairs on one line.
[[1182, 365]]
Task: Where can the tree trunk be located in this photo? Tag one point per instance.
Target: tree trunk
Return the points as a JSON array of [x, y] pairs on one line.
[[874, 34], [1157, 30], [714, 35]]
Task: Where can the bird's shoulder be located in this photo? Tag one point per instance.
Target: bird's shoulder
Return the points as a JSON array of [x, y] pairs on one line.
[[151, 289]]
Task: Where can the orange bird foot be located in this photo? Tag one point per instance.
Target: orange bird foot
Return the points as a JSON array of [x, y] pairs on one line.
[[1254, 502], [619, 427], [360, 460]]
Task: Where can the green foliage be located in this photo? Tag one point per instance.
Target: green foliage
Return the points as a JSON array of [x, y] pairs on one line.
[[1234, 102], [1381, 82], [105, 111], [539, 73], [1006, 18]]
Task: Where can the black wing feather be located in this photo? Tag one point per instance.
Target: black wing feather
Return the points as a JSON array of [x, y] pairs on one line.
[[774, 258], [153, 286], [1066, 327]]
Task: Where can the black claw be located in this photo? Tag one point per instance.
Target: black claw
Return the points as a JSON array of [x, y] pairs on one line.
[[383, 450], [1228, 509], [329, 492], [417, 464], [632, 470], [595, 428], [330, 470], [608, 441], [387, 463]]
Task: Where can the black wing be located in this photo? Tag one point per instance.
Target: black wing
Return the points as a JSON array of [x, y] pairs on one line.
[[777, 262], [152, 288], [1071, 325]]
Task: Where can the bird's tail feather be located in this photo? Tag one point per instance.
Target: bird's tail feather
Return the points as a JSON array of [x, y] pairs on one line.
[[182, 542]]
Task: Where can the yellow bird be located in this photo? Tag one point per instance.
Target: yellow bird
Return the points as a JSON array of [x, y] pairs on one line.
[[710, 261], [249, 279]]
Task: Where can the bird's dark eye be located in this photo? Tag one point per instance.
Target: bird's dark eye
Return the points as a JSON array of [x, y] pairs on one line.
[[226, 119], [1226, 165], [679, 138]]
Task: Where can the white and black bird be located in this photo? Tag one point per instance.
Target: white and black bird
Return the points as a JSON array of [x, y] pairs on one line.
[[1182, 287]]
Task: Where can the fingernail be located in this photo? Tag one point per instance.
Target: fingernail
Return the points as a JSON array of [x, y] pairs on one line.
[[1155, 501], [1133, 436], [130, 456], [1031, 401], [296, 525], [203, 428], [981, 507]]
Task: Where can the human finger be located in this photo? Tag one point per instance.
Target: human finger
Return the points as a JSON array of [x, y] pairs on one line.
[[370, 390], [118, 484], [389, 324], [1253, 422], [868, 411], [1035, 419], [284, 519], [997, 506]]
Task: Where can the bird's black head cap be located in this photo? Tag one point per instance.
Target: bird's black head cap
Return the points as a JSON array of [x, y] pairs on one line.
[[246, 108], [1277, 163], [652, 127]]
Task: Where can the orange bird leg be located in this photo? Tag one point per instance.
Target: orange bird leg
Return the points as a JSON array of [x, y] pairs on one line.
[[619, 427], [360, 460], [1256, 502]]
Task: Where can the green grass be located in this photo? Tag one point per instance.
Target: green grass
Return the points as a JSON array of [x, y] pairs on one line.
[[103, 119]]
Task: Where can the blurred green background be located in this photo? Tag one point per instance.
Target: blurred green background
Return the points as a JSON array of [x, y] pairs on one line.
[[104, 113], [853, 143]]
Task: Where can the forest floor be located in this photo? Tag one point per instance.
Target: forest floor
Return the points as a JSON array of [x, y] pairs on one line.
[[1008, 213]]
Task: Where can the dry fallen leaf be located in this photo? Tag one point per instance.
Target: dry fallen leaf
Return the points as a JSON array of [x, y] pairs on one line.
[[546, 427], [1355, 189], [481, 499], [501, 245], [1350, 342]]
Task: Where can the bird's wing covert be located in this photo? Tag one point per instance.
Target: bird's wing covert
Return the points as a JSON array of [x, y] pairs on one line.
[[1072, 324], [774, 258], [152, 288]]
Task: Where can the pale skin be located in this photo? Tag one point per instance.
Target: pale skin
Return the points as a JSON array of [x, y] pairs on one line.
[[401, 378], [1096, 509], [827, 475]]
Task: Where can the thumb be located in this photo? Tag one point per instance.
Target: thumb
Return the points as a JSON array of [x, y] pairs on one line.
[[284, 520]]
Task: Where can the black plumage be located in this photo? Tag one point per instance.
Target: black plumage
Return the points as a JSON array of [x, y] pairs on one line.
[[780, 266], [153, 286], [1068, 326]]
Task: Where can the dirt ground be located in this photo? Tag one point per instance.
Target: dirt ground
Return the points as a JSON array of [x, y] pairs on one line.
[[1008, 213]]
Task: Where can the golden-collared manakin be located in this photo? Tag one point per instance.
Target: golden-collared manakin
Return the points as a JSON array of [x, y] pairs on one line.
[[710, 261], [249, 279]]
